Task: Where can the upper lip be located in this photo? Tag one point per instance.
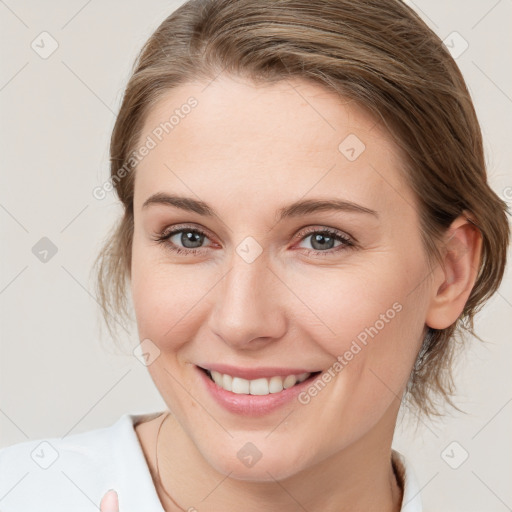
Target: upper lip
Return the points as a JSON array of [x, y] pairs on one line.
[[255, 373]]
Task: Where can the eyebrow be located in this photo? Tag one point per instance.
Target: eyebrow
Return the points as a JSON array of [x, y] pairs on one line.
[[296, 209]]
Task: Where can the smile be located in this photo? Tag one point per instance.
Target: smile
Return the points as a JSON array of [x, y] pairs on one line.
[[261, 386], [253, 391]]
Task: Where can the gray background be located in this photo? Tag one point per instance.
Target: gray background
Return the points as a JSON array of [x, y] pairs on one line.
[[59, 374]]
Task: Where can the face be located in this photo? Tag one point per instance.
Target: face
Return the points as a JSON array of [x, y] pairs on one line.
[[277, 251]]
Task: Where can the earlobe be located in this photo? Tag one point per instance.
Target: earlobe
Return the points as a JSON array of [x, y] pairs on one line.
[[457, 274]]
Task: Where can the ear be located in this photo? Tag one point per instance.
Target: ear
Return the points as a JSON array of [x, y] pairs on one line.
[[456, 276]]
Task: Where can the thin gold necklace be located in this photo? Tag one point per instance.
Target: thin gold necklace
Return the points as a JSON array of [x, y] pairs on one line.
[[159, 480]]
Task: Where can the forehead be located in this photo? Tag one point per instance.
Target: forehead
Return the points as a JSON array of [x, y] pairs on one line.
[[290, 138]]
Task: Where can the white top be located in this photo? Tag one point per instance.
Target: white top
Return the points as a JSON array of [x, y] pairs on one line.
[[73, 473]]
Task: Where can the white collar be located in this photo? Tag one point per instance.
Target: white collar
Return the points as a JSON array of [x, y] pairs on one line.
[[411, 500], [101, 459]]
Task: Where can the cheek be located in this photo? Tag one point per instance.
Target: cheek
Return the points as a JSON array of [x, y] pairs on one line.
[[359, 302], [378, 325], [371, 325], [167, 298]]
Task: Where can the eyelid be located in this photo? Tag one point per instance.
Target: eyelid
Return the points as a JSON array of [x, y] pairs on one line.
[[304, 231], [163, 238], [325, 229], [166, 233]]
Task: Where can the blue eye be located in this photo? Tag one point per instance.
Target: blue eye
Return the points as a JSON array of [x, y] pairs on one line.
[[188, 240], [324, 241], [191, 239]]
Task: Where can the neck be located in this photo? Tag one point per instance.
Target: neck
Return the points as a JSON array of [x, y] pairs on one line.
[[360, 477]]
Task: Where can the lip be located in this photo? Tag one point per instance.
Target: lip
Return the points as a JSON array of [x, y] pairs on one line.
[[255, 373], [252, 405]]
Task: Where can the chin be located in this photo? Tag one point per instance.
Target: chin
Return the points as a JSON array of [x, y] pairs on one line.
[[250, 464], [268, 471]]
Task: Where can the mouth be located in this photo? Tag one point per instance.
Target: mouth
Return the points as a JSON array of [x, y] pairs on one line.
[[261, 386]]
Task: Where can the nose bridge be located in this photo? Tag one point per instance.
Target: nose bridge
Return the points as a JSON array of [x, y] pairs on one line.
[[247, 306]]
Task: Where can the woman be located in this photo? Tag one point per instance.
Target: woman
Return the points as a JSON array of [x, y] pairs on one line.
[[307, 228]]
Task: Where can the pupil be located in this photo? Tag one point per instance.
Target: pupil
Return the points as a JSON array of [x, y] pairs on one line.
[[190, 237], [317, 239]]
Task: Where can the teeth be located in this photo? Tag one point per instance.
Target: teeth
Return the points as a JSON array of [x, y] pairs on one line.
[[289, 381], [227, 382], [240, 386], [275, 384], [217, 377], [257, 386]]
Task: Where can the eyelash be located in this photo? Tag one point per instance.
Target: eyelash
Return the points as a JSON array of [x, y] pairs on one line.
[[347, 243]]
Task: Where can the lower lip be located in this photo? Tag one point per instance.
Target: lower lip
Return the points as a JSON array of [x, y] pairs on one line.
[[252, 405]]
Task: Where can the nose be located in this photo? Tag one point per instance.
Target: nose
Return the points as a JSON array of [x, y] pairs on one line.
[[249, 311]]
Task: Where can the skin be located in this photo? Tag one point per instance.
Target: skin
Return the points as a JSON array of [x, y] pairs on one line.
[[248, 150]]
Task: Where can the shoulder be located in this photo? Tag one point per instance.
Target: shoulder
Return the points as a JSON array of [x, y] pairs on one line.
[[75, 471]]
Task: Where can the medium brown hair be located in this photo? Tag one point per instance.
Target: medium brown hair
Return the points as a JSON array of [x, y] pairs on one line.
[[377, 53]]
